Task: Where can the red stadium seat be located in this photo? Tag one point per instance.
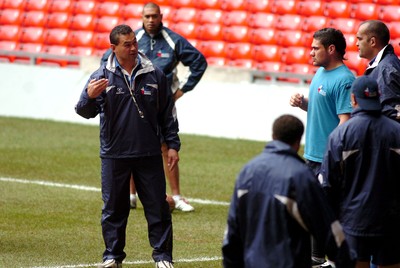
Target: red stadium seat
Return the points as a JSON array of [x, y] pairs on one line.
[[84, 7], [81, 39], [230, 5], [107, 9], [106, 23], [134, 23], [312, 24], [56, 51], [344, 24], [259, 5], [270, 66], [240, 50], [355, 63], [394, 28], [186, 29], [289, 22], [389, 13], [167, 12], [8, 45], [182, 3], [266, 53], [9, 32], [60, 6], [337, 9], [299, 68], [236, 34], [58, 20], [396, 45], [210, 16], [351, 42], [284, 7], [208, 4], [236, 17], [215, 49], [36, 5], [260, 36], [34, 19], [210, 32], [218, 62], [132, 11], [294, 55], [32, 35], [80, 51], [84, 22], [241, 63], [184, 14], [101, 41], [13, 4], [387, 2], [30, 47], [365, 11], [262, 20], [310, 8], [288, 38], [57, 37], [10, 16]]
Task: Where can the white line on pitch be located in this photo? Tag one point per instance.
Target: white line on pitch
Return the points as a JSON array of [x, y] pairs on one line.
[[203, 259], [95, 189]]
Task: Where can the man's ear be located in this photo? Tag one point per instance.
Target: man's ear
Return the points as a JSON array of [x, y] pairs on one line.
[[353, 100], [112, 46]]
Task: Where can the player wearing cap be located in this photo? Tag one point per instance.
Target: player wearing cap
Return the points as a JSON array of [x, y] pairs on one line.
[[360, 173]]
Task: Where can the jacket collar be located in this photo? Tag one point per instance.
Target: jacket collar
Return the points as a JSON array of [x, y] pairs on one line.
[[144, 66], [386, 50]]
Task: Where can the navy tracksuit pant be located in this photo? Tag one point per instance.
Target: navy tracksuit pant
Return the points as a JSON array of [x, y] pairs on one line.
[[148, 174]]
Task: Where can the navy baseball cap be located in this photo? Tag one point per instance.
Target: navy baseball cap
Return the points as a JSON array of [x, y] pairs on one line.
[[366, 91]]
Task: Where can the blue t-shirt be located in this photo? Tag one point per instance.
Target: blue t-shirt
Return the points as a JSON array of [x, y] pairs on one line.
[[328, 97]]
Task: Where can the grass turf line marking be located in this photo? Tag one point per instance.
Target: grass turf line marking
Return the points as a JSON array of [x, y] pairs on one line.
[[95, 189], [203, 259]]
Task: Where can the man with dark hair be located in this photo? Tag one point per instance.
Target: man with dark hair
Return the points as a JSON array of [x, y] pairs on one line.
[[373, 38], [328, 102], [361, 177], [135, 106], [166, 49], [276, 205]]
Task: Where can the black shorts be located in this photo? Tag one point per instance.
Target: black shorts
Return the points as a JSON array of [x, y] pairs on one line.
[[378, 250]]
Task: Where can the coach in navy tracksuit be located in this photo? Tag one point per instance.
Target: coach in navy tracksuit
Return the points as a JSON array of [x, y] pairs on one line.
[[135, 106], [361, 175], [166, 49], [276, 204]]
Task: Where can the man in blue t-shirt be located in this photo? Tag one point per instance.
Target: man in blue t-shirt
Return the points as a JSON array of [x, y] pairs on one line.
[[328, 102]]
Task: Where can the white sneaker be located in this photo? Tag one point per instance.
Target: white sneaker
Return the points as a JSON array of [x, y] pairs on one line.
[[164, 264], [183, 205], [133, 201], [111, 263]]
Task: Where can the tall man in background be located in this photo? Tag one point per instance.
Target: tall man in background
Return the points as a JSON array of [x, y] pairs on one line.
[[166, 49], [328, 102], [373, 43]]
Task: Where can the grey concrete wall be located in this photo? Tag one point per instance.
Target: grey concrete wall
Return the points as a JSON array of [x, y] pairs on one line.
[[224, 104]]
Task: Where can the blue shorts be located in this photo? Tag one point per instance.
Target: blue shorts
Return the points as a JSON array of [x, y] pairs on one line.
[[378, 250]]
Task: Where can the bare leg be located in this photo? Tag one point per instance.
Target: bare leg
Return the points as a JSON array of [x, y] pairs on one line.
[[132, 196], [173, 180], [172, 175]]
